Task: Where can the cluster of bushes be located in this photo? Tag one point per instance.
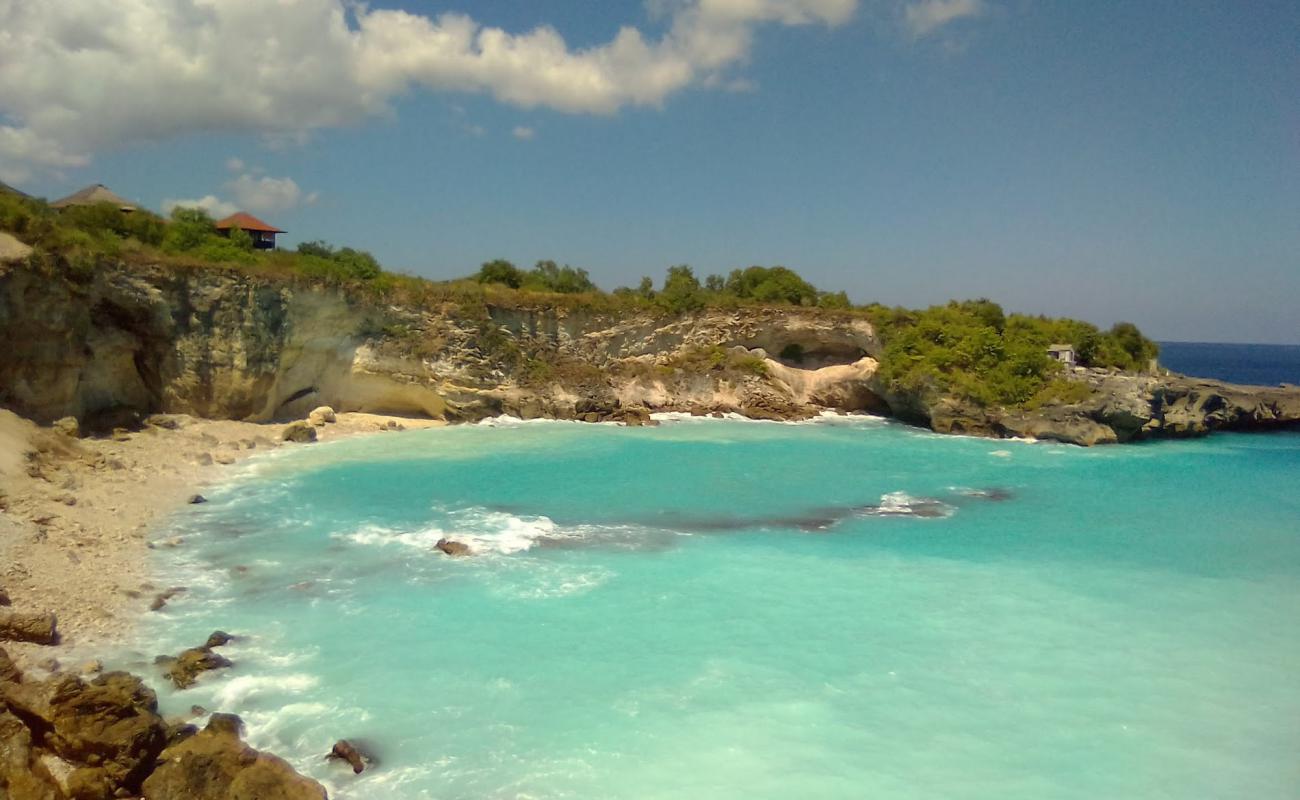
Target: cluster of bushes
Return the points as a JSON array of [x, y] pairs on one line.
[[545, 276], [81, 234], [973, 349], [318, 259], [680, 290], [193, 232]]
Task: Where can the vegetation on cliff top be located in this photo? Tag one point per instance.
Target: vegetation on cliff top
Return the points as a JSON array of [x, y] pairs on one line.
[[971, 349], [974, 350]]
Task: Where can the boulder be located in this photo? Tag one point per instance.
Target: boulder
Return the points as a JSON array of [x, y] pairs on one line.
[[169, 421], [16, 758], [215, 764], [344, 750], [322, 415], [184, 670], [196, 499], [1059, 424], [99, 737], [300, 431], [8, 671], [68, 426], [35, 628], [453, 548], [11, 249]]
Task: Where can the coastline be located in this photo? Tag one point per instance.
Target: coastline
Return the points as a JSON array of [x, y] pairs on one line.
[[76, 514]]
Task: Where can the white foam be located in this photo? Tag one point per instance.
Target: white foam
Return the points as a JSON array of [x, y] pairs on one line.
[[483, 531], [902, 504], [505, 534], [825, 417], [237, 691]]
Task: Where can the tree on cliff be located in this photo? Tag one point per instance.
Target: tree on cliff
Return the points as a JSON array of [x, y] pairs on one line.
[[682, 290]]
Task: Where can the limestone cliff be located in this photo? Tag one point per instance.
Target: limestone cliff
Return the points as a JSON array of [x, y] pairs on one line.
[[123, 342], [224, 344]]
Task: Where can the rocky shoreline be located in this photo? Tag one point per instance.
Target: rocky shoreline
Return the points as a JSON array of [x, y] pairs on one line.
[[75, 555], [92, 736]]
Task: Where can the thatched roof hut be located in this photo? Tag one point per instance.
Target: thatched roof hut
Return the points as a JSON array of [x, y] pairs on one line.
[[93, 195]]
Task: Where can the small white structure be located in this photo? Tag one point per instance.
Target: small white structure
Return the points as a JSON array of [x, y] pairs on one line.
[[1063, 353]]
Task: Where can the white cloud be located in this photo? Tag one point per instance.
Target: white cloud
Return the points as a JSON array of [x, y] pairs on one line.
[[215, 206], [80, 75], [927, 16], [235, 164], [252, 192], [523, 132], [265, 195]]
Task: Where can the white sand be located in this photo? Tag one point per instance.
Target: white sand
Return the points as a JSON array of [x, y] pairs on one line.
[[76, 514]]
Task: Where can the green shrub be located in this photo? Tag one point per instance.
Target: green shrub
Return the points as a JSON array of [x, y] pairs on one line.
[[682, 291], [500, 271]]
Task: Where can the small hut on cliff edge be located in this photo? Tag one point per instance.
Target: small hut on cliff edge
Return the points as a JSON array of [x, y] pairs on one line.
[[263, 234]]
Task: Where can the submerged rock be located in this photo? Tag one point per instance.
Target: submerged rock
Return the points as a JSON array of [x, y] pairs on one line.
[[22, 627], [196, 499], [453, 548], [215, 764]]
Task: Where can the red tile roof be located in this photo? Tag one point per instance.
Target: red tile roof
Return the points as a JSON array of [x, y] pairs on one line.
[[246, 222]]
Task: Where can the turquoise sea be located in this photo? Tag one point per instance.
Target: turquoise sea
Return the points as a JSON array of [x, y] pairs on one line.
[[847, 608]]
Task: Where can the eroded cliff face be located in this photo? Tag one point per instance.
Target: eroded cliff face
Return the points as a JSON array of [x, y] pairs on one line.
[[125, 342]]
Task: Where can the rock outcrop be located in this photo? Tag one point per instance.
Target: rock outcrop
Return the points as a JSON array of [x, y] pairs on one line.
[[37, 628], [183, 670], [66, 738], [1124, 408], [215, 764]]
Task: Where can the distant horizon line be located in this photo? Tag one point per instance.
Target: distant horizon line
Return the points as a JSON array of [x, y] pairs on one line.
[[1238, 344]]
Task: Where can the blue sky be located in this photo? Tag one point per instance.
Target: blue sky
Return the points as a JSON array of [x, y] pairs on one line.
[[1105, 160]]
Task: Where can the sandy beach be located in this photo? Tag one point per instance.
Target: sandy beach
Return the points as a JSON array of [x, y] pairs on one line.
[[76, 514]]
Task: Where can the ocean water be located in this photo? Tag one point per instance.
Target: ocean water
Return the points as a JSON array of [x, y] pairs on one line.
[[716, 609], [1251, 364]]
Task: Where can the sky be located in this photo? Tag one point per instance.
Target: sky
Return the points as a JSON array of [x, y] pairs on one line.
[[1108, 160]]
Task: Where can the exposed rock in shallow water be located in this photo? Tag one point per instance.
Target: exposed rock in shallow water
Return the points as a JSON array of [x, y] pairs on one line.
[[215, 764], [453, 548], [184, 670], [344, 750], [17, 626], [218, 639]]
